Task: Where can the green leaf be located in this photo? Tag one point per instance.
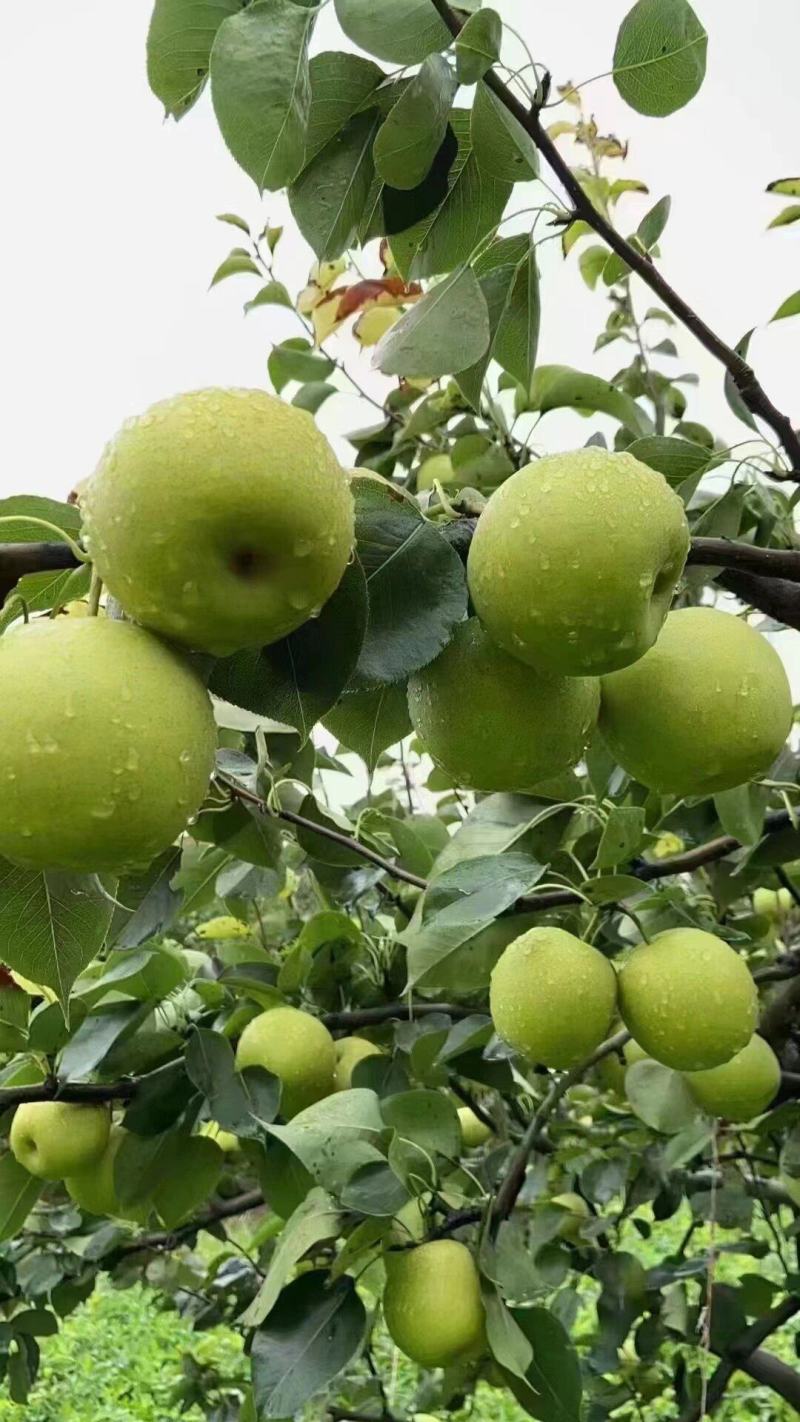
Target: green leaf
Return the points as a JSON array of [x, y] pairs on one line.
[[186, 1178], [296, 359], [449, 326], [412, 33], [51, 925], [238, 262], [179, 43], [517, 337], [660, 1097], [315, 1220], [592, 263], [478, 45], [409, 137], [297, 680], [621, 838], [427, 1119], [328, 198], [367, 722], [261, 89], [787, 216], [26, 507], [19, 1192], [242, 1102], [552, 1390], [474, 203], [460, 903], [233, 220], [501, 146], [788, 187], [732, 394], [341, 84], [676, 459], [98, 1033], [789, 307], [653, 223], [335, 1136], [146, 903], [415, 583], [660, 56], [311, 1335], [498, 271], [273, 294], [507, 1342], [557, 387], [741, 812], [610, 888]]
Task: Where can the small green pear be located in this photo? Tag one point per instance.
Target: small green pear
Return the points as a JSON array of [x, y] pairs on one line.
[[106, 746], [741, 1088], [774, 904], [492, 723], [575, 559], [553, 997], [576, 1214], [223, 928], [707, 708], [349, 1052], [432, 1303], [474, 1131], [688, 999], [438, 466], [221, 519], [297, 1048], [53, 1139]]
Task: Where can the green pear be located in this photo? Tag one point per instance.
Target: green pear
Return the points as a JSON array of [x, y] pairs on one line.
[[553, 997], [53, 1139], [438, 466], [349, 1052], [774, 904], [707, 708], [474, 1131], [688, 999], [575, 559], [576, 1213], [432, 1303], [93, 1188], [223, 928], [492, 723], [297, 1048], [106, 745], [226, 1140], [220, 518], [742, 1087]]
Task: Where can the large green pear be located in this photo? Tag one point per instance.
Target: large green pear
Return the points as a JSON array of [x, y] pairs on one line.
[[688, 999], [432, 1303], [707, 708], [575, 559], [438, 466], [53, 1139], [93, 1188], [221, 518], [741, 1088], [553, 997], [349, 1052], [297, 1048], [493, 723], [107, 744]]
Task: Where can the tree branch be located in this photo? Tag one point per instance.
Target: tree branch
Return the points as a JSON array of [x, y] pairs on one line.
[[771, 1372], [737, 1354], [213, 1214], [514, 1178], [404, 1011], [18, 559], [77, 1092], [742, 374], [777, 597], [746, 558]]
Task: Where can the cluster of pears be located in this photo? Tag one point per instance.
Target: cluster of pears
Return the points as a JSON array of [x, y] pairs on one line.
[[686, 997], [572, 569], [76, 1144], [219, 521]]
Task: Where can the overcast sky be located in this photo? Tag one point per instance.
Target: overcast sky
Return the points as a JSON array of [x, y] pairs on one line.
[[109, 235]]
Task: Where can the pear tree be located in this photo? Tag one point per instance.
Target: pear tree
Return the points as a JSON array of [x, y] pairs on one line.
[[400, 876]]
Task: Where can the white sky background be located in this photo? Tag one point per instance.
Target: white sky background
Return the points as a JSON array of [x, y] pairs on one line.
[[109, 238]]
